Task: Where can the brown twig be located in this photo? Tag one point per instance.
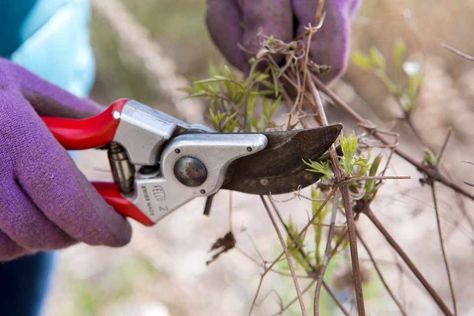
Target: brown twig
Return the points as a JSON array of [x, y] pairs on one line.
[[334, 298], [313, 270], [458, 52], [346, 199], [272, 264], [380, 275], [291, 302], [435, 296], [443, 147], [326, 257], [443, 249], [370, 127], [288, 257], [306, 289], [355, 179], [408, 120]]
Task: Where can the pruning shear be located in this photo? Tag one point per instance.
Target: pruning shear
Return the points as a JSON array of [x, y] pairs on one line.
[[159, 162]]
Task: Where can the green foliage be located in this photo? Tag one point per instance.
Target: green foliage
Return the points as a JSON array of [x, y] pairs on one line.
[[126, 278], [370, 184], [361, 60], [349, 150], [238, 104], [377, 60], [354, 164], [296, 245], [357, 165], [398, 53], [87, 298], [222, 121], [319, 213], [430, 158], [323, 167], [299, 249], [404, 79]]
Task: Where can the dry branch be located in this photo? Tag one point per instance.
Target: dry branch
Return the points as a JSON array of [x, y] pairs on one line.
[[434, 295], [346, 199], [288, 258], [443, 249], [371, 128]]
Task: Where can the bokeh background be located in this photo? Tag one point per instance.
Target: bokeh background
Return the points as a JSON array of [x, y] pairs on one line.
[[163, 271]]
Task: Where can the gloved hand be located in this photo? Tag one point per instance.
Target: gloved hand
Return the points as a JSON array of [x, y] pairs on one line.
[[45, 201], [233, 22]]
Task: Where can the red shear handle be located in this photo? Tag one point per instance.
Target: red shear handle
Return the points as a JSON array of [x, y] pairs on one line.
[[111, 194], [92, 132], [95, 132]]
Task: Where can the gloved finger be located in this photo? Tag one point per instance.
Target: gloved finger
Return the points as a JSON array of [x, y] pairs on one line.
[[46, 98], [50, 178], [330, 45], [24, 223], [270, 17], [223, 22], [353, 5], [8, 249], [305, 13]]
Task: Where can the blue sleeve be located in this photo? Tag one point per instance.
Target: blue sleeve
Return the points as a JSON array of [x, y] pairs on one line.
[[51, 39], [12, 15], [58, 48]]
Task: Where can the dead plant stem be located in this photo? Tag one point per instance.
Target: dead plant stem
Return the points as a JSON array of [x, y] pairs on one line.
[[326, 256], [314, 270], [435, 296], [458, 52], [443, 248], [346, 199], [370, 127], [380, 275], [272, 264], [288, 257]]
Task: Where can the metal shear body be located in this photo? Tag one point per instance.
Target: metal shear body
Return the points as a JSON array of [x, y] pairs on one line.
[[158, 162]]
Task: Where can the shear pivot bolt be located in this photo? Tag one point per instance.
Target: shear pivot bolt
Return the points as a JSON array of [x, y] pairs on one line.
[[190, 171]]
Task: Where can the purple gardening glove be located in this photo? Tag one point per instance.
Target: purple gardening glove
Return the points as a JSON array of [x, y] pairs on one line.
[[45, 201], [233, 22]]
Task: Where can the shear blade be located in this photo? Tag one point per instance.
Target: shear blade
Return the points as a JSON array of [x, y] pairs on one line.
[[279, 168]]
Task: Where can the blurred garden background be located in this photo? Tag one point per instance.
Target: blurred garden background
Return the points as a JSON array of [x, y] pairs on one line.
[[163, 271]]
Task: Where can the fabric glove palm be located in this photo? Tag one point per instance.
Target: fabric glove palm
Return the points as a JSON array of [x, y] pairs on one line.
[[45, 201], [234, 22]]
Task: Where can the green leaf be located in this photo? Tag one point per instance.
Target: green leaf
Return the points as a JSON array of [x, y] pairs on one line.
[[315, 203], [370, 184], [198, 93], [213, 79], [323, 168], [430, 157], [319, 213], [376, 58], [414, 85], [360, 166], [260, 77], [398, 54], [349, 149], [232, 99], [375, 166], [295, 244], [251, 104], [361, 60]]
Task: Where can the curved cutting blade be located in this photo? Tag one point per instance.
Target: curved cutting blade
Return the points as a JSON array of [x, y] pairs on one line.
[[279, 168]]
